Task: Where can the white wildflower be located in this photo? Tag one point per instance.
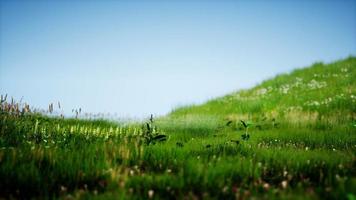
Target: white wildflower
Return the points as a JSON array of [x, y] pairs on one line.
[[344, 69], [261, 91], [284, 89], [298, 82], [150, 194], [312, 103], [313, 84], [284, 184]]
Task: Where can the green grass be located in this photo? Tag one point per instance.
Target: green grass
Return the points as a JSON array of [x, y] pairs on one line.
[[302, 146]]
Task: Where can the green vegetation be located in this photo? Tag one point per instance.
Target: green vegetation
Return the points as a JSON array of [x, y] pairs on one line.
[[290, 137]]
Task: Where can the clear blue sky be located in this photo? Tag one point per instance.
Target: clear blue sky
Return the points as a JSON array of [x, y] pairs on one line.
[[138, 57]]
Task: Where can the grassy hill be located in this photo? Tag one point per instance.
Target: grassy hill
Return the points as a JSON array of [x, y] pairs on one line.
[[322, 90], [291, 137]]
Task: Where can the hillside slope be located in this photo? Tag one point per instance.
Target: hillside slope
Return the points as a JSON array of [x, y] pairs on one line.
[[321, 91]]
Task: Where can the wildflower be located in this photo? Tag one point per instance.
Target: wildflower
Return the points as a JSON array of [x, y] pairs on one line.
[[285, 173], [266, 186], [150, 194], [312, 103], [225, 188], [261, 91], [284, 184], [313, 84], [284, 89], [63, 188], [344, 69]]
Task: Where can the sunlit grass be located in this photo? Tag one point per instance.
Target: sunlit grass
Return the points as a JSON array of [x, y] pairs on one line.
[[297, 148]]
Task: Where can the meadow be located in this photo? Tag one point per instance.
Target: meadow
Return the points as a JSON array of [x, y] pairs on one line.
[[290, 137]]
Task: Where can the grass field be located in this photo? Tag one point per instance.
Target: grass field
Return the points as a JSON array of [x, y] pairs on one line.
[[290, 137]]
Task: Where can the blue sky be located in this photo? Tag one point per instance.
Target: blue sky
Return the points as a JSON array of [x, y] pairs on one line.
[[139, 57]]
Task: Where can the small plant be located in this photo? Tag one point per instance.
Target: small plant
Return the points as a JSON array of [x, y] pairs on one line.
[[235, 141], [151, 134], [179, 144], [3, 99], [246, 125], [274, 123]]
